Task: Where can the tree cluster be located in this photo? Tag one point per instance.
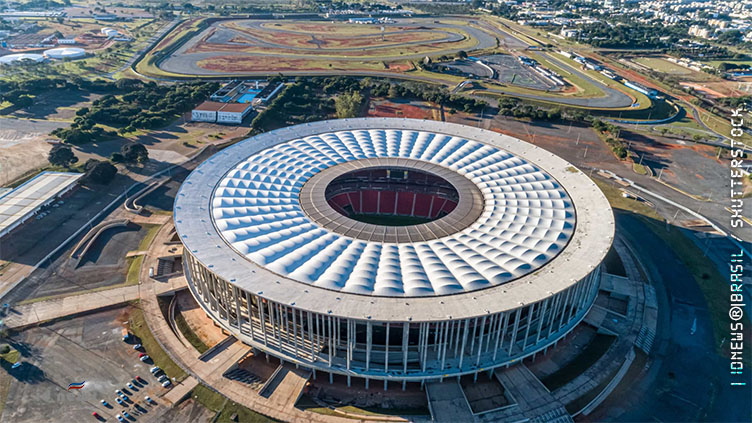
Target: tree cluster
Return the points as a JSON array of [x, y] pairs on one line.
[[134, 105]]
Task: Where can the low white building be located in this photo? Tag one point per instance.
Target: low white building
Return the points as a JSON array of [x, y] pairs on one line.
[[233, 112], [206, 111]]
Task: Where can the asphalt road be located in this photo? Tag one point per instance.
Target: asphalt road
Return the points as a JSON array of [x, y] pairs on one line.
[[688, 380]]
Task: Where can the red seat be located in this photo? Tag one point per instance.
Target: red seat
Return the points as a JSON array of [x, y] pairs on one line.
[[422, 205], [387, 202], [405, 202], [370, 201]]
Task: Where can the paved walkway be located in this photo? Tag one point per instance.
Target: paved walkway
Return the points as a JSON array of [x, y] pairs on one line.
[[210, 372], [41, 311], [181, 390], [289, 387], [447, 402], [533, 401]]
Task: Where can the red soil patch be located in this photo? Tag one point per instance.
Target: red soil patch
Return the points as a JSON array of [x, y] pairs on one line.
[[389, 109]]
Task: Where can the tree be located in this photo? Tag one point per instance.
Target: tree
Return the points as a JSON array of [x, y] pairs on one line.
[[99, 172], [347, 105], [135, 153], [62, 155], [117, 157]]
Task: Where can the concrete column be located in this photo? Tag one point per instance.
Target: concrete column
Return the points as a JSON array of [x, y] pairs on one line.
[[501, 333], [480, 341], [295, 333], [444, 344], [541, 318], [405, 335], [554, 311], [530, 311], [369, 334], [514, 330], [331, 343], [386, 353], [561, 315], [472, 336], [464, 341], [261, 307], [250, 313], [311, 336]]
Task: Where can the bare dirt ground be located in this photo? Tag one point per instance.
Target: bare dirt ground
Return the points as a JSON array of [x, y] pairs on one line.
[[23, 147], [201, 325]]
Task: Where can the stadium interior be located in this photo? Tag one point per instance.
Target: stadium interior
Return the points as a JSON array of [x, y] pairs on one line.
[[391, 196]]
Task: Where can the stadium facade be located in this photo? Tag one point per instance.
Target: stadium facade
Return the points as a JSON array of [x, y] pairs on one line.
[[393, 249]]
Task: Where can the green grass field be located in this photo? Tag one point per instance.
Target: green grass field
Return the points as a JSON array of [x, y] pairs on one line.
[[137, 325], [390, 220]]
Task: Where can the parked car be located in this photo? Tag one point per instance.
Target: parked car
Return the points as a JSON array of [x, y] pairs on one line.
[[126, 415], [105, 403], [118, 392], [144, 357], [162, 378], [120, 418], [149, 400], [139, 379], [130, 386], [154, 369], [137, 347], [120, 402], [166, 383]]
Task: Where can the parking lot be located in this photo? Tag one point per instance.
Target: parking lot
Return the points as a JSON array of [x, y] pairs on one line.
[[87, 348]]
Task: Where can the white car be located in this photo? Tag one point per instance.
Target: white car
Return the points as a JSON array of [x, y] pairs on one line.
[[120, 418], [149, 400], [137, 347], [155, 369], [144, 357], [166, 383]]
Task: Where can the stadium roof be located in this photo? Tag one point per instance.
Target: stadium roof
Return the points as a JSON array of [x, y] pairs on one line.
[[20, 203], [544, 225], [526, 220]]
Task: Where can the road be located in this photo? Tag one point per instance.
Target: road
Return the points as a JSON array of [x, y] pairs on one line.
[[688, 380]]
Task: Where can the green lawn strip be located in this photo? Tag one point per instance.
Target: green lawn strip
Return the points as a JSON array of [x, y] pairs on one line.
[[134, 270], [613, 194], [373, 411], [5, 381], [152, 230], [589, 355], [11, 356], [189, 334], [225, 408], [137, 325]]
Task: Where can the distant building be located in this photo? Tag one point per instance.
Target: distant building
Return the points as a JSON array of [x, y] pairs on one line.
[[233, 112], [214, 111], [650, 92], [206, 111], [570, 33], [33, 196], [700, 32], [362, 21]]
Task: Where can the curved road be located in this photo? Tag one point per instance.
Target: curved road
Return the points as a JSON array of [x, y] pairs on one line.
[[184, 63]]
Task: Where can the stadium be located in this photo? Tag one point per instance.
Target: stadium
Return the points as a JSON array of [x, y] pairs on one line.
[[392, 250]]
